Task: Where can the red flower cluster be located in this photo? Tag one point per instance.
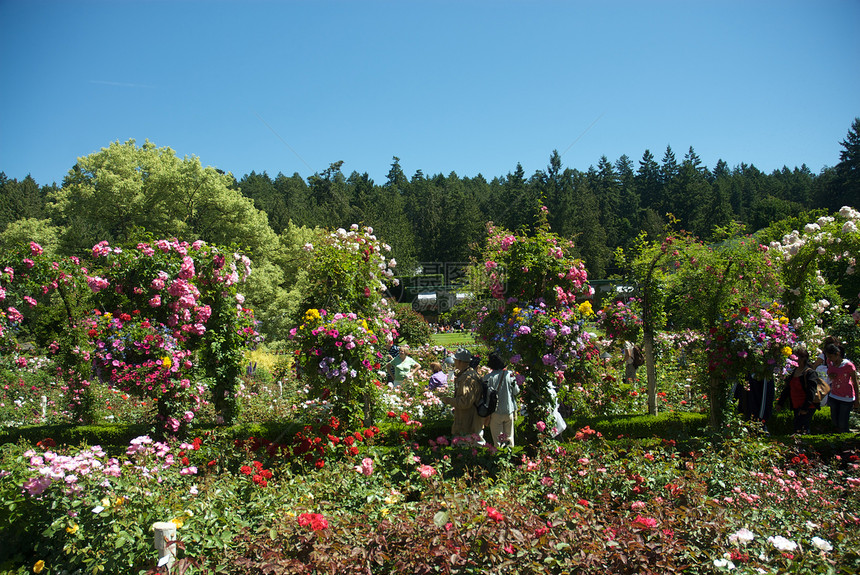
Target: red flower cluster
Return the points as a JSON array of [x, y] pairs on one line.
[[800, 459], [494, 514], [257, 474], [313, 520], [586, 433], [311, 444]]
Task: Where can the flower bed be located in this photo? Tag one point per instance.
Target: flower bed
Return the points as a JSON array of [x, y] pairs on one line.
[[588, 506]]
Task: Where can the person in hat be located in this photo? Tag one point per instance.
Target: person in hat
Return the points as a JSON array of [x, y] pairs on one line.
[[403, 366], [467, 390]]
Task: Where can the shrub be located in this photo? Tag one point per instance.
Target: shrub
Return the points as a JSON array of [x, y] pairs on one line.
[[413, 328]]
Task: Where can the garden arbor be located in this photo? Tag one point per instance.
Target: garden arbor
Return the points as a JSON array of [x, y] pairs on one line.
[[701, 286], [529, 286]]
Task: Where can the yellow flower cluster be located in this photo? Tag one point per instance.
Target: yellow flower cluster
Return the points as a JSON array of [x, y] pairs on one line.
[[313, 316], [180, 520], [786, 351], [165, 361], [586, 309]]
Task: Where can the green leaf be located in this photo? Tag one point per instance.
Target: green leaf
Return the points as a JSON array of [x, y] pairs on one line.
[[441, 518]]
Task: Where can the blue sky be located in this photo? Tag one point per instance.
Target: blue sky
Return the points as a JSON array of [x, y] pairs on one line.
[[463, 86]]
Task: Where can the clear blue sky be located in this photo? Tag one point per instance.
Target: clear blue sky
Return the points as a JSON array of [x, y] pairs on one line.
[[464, 86]]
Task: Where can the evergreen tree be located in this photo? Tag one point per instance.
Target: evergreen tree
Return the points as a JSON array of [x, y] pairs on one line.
[[607, 187], [847, 188], [648, 182], [520, 201], [668, 184], [630, 216], [332, 196]]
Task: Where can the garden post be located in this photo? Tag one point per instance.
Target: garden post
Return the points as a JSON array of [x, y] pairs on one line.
[[165, 542]]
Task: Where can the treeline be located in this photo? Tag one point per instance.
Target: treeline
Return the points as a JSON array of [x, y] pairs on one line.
[[439, 218]]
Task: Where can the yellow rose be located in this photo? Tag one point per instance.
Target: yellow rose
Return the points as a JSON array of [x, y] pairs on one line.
[[72, 529], [37, 568], [165, 361], [786, 351]]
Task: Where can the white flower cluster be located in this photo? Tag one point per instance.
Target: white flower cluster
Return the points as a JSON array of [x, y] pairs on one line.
[[821, 234]]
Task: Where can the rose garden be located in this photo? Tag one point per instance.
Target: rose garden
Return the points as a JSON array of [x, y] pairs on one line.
[[137, 391]]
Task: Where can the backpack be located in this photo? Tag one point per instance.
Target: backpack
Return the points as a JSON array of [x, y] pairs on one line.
[[638, 356], [487, 402]]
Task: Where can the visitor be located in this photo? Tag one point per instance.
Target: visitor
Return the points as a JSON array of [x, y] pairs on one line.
[[467, 390], [558, 422], [799, 388], [475, 362], [755, 399], [844, 394], [438, 378], [630, 366], [503, 419], [402, 367]]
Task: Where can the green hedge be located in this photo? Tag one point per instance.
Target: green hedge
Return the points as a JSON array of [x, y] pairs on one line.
[[675, 425]]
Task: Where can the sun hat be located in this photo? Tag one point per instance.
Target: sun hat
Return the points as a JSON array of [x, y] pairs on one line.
[[463, 354]]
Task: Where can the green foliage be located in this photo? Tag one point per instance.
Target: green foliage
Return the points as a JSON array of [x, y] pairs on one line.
[[675, 426], [346, 272], [21, 232], [412, 328], [114, 192], [847, 329]]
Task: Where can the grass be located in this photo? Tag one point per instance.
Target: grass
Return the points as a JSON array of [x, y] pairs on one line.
[[453, 339]]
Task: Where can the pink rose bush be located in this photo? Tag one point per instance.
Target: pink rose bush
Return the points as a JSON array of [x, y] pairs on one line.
[[529, 287], [140, 319]]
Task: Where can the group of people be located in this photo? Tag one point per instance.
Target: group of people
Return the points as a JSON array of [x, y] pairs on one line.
[[467, 387], [801, 384], [756, 397]]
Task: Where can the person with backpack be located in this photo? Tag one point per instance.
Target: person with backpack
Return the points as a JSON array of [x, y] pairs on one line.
[[504, 383], [800, 386], [467, 391]]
